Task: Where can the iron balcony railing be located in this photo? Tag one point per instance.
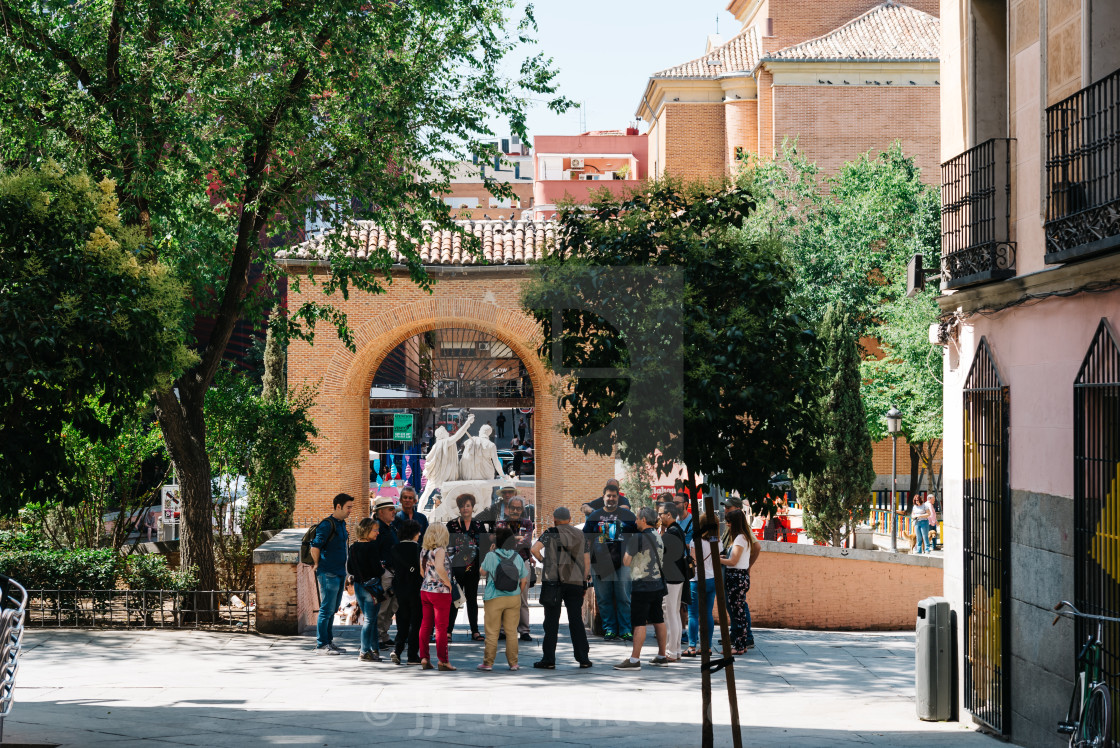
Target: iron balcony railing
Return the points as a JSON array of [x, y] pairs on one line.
[[1083, 172], [976, 244]]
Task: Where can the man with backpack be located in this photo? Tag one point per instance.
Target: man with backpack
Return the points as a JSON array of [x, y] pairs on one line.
[[507, 575], [324, 547]]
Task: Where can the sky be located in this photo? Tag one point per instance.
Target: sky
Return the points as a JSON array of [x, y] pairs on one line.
[[607, 49]]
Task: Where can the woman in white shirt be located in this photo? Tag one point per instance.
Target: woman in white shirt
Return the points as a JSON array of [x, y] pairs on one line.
[[920, 513], [704, 532], [742, 554]]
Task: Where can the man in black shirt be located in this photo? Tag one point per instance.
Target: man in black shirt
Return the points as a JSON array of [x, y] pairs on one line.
[[677, 574], [606, 530], [594, 504]]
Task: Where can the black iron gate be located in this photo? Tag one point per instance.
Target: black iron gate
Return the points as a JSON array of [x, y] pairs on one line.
[[1096, 496], [987, 552]]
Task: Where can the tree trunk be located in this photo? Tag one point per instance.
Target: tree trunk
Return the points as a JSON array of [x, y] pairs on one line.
[[915, 469], [184, 432]]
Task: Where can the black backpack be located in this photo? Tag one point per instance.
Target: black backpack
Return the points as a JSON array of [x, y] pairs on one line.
[[305, 546], [506, 576]]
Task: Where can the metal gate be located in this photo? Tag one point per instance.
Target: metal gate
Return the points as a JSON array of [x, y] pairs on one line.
[[987, 535], [1096, 496]]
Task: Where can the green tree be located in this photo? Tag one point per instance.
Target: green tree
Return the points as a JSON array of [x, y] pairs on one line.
[[88, 323], [273, 487], [711, 366], [841, 489], [254, 442], [103, 477], [848, 238], [223, 121]]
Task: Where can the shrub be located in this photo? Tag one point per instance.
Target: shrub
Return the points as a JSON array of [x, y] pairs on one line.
[[85, 569]]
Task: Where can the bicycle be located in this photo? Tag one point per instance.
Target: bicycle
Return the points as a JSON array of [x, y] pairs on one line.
[[1088, 721]]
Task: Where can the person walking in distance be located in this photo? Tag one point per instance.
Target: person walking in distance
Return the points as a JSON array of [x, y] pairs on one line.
[[742, 553], [500, 422], [645, 559], [677, 574], [562, 552], [507, 576], [328, 553], [406, 588], [435, 596], [383, 511], [365, 567], [607, 530], [521, 430]]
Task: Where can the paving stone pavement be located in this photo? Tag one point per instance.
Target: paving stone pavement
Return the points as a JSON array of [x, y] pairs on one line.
[[175, 688]]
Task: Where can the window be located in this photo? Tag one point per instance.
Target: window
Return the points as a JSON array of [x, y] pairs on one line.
[[461, 202], [988, 70]]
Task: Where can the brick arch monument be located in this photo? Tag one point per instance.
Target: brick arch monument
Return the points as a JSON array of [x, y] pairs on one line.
[[486, 299]]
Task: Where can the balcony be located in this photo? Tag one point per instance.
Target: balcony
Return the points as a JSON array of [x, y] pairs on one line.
[[1083, 173], [976, 244]]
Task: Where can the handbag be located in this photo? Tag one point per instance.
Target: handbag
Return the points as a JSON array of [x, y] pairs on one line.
[[375, 589], [456, 595], [551, 594]]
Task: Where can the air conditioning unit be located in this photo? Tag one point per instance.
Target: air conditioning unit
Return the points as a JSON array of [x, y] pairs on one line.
[[577, 164], [483, 345]]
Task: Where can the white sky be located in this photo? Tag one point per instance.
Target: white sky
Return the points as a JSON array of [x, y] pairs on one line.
[[607, 49]]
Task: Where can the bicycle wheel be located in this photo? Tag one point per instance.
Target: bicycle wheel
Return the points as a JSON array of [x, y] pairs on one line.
[[1096, 720]]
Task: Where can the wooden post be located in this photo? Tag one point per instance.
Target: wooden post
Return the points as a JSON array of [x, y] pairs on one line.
[[724, 627]]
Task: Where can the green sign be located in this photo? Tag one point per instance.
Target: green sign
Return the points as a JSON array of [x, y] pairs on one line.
[[402, 427]]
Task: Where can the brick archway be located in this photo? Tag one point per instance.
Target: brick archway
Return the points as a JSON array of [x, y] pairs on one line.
[[488, 303]]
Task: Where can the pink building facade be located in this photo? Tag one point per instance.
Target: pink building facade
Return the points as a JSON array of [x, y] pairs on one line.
[[1031, 280], [574, 167]]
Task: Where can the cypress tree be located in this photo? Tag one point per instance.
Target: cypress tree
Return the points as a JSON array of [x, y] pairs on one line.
[[840, 492]]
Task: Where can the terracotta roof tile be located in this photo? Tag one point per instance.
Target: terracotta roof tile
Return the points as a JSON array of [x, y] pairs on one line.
[[503, 243], [890, 31], [740, 54]]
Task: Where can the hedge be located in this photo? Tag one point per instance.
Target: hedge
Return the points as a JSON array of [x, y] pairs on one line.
[[85, 569]]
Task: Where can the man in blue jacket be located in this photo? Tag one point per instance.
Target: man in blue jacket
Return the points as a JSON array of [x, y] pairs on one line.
[[328, 549]]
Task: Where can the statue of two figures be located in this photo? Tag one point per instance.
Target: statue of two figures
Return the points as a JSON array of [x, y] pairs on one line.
[[475, 473]]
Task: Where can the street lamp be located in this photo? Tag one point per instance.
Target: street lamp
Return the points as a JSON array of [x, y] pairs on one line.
[[894, 428]]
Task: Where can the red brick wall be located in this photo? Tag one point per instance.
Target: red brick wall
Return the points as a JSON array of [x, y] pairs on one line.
[[694, 141], [741, 127], [792, 590], [524, 192], [835, 125], [487, 300]]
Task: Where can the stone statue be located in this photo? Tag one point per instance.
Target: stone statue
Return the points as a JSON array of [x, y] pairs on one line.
[[442, 463], [480, 457]]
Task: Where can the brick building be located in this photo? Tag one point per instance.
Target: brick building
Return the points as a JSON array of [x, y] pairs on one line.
[[842, 78], [470, 199]]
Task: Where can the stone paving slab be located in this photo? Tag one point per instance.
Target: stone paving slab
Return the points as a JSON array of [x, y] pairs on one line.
[[176, 688]]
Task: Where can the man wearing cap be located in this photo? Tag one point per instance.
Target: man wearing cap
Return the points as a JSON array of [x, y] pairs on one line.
[[563, 552], [522, 528], [383, 511]]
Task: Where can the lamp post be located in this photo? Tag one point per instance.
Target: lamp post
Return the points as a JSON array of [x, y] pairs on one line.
[[894, 427]]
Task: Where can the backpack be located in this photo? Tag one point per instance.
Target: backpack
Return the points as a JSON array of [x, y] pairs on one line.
[[305, 556], [506, 577]]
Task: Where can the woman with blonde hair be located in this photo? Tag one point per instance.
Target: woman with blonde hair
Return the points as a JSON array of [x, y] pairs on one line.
[[435, 595]]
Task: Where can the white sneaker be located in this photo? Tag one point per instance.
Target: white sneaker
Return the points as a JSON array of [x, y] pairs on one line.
[[335, 650], [327, 650]]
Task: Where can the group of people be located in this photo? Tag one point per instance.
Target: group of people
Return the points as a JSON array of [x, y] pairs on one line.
[[635, 586], [641, 565]]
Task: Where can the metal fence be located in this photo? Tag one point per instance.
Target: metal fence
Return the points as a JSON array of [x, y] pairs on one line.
[[987, 547], [229, 610], [1083, 171], [13, 601], [1096, 497], [976, 241]]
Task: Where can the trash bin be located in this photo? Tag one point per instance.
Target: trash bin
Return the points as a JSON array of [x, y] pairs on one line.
[[933, 665]]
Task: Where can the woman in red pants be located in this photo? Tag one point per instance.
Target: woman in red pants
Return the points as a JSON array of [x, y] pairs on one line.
[[435, 595]]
